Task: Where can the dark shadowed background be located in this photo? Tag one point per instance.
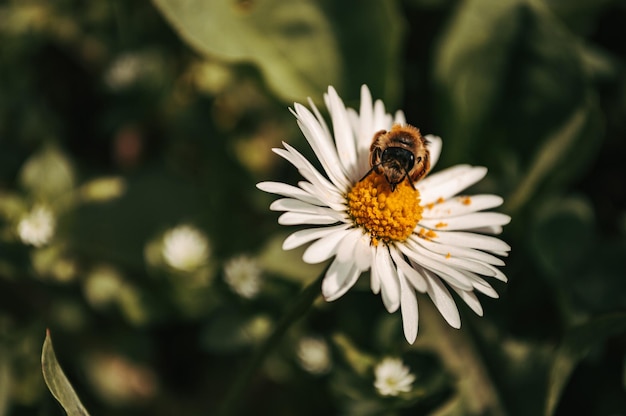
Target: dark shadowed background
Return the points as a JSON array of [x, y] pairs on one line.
[[130, 129]]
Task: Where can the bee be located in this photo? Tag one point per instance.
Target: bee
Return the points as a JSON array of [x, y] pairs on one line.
[[398, 154]]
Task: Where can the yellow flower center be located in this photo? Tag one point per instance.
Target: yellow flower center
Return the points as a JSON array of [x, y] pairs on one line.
[[385, 215]]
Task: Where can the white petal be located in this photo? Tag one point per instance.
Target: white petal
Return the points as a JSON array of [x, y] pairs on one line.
[[374, 279], [331, 168], [322, 145], [328, 197], [452, 186], [307, 170], [434, 147], [432, 262], [481, 285], [366, 114], [467, 221], [390, 287], [290, 191], [347, 246], [362, 145], [408, 305], [299, 218], [435, 179], [325, 190], [437, 252], [381, 120], [412, 275], [363, 253], [324, 248], [493, 229], [471, 300], [485, 288], [319, 117], [498, 274], [399, 118], [302, 237], [364, 129], [442, 299], [472, 240], [339, 278], [344, 138], [296, 205], [462, 205], [461, 252]]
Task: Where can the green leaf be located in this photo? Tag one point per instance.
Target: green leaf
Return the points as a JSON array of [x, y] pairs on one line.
[[11, 205], [514, 79], [599, 285], [299, 46], [477, 392], [287, 263], [471, 65], [562, 156], [579, 15], [578, 342], [359, 361], [563, 238], [291, 42], [370, 35], [57, 382], [6, 380], [562, 234], [231, 330]]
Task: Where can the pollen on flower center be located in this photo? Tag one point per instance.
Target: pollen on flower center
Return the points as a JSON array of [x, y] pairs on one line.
[[385, 215]]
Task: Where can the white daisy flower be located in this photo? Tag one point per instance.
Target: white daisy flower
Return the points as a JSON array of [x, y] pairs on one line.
[[37, 227], [185, 248], [392, 377], [423, 238], [243, 276]]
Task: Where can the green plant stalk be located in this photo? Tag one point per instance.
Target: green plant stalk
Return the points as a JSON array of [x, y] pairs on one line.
[[296, 310]]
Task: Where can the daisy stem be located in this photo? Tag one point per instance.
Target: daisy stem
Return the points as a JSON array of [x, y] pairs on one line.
[[296, 310]]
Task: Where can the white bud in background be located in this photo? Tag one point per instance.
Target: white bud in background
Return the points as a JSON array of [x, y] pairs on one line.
[[243, 275], [185, 248], [392, 377], [37, 227]]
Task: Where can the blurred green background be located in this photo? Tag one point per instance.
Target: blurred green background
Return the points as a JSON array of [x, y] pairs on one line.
[[132, 134]]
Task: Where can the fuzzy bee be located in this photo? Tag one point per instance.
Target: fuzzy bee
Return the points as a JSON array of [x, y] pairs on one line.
[[398, 154]]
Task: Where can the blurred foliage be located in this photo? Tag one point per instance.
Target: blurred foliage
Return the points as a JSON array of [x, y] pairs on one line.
[[57, 382], [131, 129], [278, 38]]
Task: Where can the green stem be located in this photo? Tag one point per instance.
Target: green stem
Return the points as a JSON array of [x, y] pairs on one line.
[[296, 310]]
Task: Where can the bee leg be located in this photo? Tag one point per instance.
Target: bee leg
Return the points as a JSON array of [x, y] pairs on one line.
[[410, 181], [368, 173]]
